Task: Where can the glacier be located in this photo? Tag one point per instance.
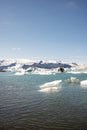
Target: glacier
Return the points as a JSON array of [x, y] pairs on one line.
[[43, 67]]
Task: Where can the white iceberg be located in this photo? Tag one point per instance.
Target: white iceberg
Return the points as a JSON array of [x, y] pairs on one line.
[[72, 80], [51, 86], [83, 83]]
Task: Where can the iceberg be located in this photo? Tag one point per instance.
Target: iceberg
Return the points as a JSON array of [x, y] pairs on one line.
[[84, 83], [52, 89], [73, 80], [20, 73], [53, 86], [43, 67]]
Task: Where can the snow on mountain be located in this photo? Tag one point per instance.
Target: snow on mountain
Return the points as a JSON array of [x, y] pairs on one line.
[[42, 66], [8, 62]]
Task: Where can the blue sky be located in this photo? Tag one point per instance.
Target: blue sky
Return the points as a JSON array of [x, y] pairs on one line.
[[44, 29]]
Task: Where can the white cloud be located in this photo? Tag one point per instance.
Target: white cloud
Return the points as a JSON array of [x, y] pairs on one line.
[[13, 48], [16, 49]]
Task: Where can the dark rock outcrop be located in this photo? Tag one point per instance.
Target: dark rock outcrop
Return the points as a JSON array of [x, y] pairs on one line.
[[6, 66], [61, 70], [47, 65]]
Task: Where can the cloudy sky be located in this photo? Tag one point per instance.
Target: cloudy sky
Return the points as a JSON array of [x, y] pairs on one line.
[[44, 29]]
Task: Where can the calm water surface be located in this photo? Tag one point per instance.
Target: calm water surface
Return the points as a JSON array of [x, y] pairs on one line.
[[24, 107]]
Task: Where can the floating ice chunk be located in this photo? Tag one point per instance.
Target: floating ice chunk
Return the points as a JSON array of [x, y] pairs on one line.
[[20, 73], [73, 80], [50, 89], [74, 72], [85, 72], [53, 86], [84, 83], [42, 71]]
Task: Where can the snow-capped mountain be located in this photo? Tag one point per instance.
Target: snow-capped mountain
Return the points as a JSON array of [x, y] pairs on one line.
[[40, 66], [25, 64]]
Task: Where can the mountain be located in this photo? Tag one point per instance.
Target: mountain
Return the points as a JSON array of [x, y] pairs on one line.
[[47, 65], [25, 64]]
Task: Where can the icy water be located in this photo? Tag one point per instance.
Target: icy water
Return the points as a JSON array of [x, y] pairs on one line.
[[25, 105]]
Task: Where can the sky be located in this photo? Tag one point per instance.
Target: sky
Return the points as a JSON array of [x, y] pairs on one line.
[[44, 29]]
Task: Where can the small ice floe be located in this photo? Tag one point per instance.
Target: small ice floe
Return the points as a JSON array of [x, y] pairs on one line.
[[51, 89], [20, 73], [41, 71], [51, 86], [72, 80], [75, 72], [83, 83], [78, 72], [85, 72]]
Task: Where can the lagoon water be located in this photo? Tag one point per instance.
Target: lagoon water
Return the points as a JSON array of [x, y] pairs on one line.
[[39, 102]]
